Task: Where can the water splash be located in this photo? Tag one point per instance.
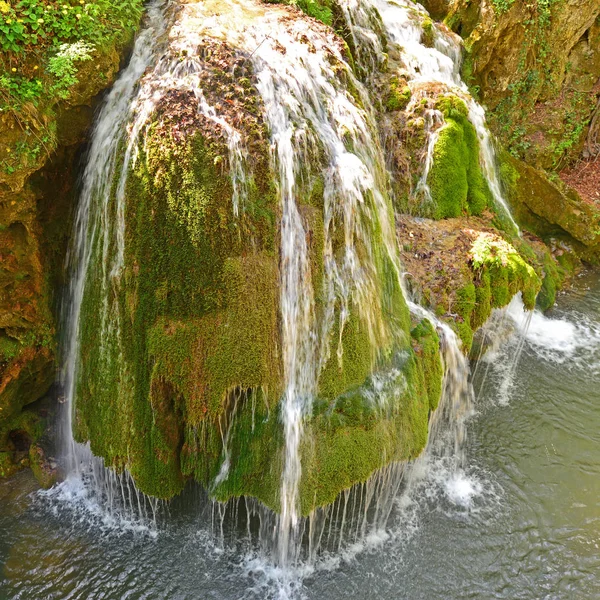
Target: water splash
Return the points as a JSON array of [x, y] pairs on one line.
[[575, 341]]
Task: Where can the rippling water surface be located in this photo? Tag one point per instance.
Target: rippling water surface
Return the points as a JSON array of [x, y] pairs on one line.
[[522, 521]]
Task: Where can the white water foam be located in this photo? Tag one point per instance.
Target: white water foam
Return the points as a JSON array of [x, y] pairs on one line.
[[573, 342], [576, 340], [79, 499]]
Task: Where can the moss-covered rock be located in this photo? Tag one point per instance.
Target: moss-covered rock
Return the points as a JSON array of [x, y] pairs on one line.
[[45, 472], [41, 131], [399, 94], [383, 420], [550, 208], [458, 186], [180, 370], [463, 268]]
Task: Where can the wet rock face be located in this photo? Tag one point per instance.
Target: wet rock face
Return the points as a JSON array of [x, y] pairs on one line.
[[195, 318], [37, 193]]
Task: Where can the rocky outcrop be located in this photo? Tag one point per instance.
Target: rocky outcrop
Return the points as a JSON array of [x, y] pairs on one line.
[[536, 67], [552, 209], [38, 173]]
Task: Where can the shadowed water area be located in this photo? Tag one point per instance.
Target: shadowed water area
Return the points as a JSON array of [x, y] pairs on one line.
[[521, 520]]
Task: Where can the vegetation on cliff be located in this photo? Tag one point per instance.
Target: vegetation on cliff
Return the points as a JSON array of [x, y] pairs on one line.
[[56, 57]]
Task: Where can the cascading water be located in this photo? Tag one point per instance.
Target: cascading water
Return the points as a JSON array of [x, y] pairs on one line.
[[100, 223], [92, 224], [402, 22], [307, 108], [321, 126]]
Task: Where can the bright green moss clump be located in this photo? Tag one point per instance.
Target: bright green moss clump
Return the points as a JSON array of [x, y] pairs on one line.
[[500, 272], [428, 33], [456, 181], [399, 95], [319, 10]]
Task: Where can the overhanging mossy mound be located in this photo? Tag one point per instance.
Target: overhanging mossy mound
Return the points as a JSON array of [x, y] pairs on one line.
[[463, 269], [180, 373]]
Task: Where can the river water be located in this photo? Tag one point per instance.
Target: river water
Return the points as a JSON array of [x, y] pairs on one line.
[[521, 521]]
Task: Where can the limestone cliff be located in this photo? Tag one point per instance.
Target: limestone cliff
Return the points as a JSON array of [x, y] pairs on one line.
[[43, 123]]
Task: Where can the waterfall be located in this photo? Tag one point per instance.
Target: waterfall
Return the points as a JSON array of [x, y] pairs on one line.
[[403, 24], [322, 127], [434, 119], [159, 63], [92, 221], [308, 108]]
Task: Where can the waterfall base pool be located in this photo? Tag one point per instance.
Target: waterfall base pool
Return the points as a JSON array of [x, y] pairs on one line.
[[522, 521]]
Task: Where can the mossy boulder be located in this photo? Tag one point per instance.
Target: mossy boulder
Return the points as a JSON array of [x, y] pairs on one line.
[[458, 186], [463, 268], [180, 370], [43, 470]]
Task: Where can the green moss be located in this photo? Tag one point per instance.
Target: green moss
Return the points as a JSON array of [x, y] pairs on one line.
[[457, 184], [180, 354], [554, 276], [256, 452], [428, 33], [508, 272], [9, 348], [28, 421], [346, 443], [228, 349], [466, 298], [483, 300], [355, 360], [45, 475], [399, 94], [197, 289], [428, 350], [7, 467], [465, 334], [319, 10]]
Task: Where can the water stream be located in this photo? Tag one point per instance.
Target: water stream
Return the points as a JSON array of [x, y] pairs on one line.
[[402, 21]]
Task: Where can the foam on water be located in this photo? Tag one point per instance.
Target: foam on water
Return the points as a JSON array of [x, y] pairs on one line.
[[84, 506], [557, 339], [573, 342]]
